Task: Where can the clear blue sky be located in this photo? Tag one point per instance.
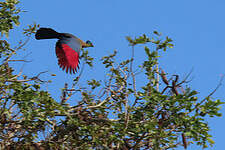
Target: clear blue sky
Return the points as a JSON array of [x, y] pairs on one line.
[[196, 26]]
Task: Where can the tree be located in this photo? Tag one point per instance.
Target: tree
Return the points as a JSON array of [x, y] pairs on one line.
[[117, 114]]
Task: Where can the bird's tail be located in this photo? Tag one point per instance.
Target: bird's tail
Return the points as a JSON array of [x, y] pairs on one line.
[[46, 33]]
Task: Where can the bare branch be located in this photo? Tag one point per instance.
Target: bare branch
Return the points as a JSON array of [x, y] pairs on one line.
[[100, 104], [217, 87], [19, 60], [30, 79], [20, 46]]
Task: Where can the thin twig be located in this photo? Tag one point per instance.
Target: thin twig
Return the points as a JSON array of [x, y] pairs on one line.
[[217, 87], [21, 45], [19, 60], [30, 79], [100, 104], [132, 73]]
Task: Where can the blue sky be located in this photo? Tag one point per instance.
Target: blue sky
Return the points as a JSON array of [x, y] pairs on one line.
[[197, 28]]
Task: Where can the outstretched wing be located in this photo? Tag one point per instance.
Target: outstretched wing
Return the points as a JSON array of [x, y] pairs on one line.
[[68, 58]]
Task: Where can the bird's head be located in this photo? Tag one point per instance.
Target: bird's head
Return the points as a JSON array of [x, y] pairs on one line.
[[88, 44]]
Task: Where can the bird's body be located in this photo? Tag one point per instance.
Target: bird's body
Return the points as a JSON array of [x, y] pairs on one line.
[[67, 47]]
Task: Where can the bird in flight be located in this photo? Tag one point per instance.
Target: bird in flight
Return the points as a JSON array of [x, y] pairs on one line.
[[67, 48]]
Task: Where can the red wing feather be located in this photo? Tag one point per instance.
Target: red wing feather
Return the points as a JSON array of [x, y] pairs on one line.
[[67, 58]]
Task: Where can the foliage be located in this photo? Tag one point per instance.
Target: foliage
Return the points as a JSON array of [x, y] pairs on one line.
[[8, 16], [120, 113]]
